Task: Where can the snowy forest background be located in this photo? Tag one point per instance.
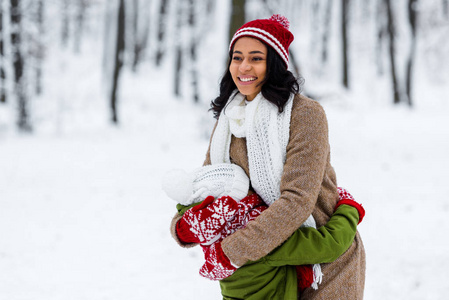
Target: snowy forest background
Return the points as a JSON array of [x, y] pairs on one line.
[[98, 99]]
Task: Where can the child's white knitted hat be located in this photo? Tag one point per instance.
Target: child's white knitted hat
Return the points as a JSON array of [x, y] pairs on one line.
[[213, 180]]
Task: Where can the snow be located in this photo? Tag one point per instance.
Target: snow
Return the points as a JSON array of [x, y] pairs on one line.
[[83, 215]]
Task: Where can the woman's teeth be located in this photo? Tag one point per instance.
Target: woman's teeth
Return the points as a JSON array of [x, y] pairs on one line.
[[247, 79]]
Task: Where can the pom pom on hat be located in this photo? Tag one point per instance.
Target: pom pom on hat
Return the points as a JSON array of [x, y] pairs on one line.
[[281, 20], [274, 32]]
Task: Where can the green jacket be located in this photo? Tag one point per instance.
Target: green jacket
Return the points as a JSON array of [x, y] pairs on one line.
[[274, 276]]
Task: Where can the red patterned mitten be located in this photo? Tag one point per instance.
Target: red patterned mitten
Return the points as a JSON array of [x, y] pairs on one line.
[[346, 198], [217, 265], [208, 219], [249, 208]]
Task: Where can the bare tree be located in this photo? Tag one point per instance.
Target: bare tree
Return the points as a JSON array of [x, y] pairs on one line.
[[326, 31], [162, 24], [445, 8], [194, 50], [81, 7], [382, 32], [140, 35], [65, 22], [412, 18], [39, 47], [237, 17], [118, 59], [20, 92], [344, 39], [179, 48], [2, 59], [392, 52]]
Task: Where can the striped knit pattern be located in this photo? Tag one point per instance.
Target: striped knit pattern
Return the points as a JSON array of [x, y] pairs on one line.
[[273, 31]]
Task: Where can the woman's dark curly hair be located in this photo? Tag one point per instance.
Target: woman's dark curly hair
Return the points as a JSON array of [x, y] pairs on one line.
[[277, 86]]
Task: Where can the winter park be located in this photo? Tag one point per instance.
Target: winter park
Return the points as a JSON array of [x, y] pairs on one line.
[[100, 99]]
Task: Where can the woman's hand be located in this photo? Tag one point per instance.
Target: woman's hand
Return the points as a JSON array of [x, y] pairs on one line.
[[206, 220]]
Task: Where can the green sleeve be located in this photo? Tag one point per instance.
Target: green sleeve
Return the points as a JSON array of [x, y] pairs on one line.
[[323, 245], [183, 208]]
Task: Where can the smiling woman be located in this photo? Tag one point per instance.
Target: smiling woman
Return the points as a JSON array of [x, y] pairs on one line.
[[279, 139], [249, 66]]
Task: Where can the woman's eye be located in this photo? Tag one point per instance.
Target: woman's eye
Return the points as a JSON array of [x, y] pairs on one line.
[[257, 58], [236, 58]]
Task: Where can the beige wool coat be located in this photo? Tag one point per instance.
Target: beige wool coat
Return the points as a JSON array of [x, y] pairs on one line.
[[308, 186]]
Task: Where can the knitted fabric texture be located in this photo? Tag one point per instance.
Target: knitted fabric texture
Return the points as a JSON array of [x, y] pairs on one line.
[[208, 219], [213, 180], [217, 265], [267, 134], [273, 31]]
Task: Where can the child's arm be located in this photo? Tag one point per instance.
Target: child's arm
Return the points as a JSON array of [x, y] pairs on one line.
[[311, 246]]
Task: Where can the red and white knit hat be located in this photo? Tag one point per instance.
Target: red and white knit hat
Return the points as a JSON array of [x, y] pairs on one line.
[[273, 32]]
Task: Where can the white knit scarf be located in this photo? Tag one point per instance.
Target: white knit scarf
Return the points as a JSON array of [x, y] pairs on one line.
[[267, 133]]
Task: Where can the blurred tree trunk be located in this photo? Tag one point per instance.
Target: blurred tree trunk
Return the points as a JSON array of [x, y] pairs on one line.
[[237, 17], [140, 35], [446, 8], [392, 52], [179, 51], [23, 121], [65, 22], [381, 29], [118, 59], [194, 50], [163, 11], [344, 39], [2, 59], [39, 55], [412, 18], [136, 48], [326, 31], [79, 26], [315, 28]]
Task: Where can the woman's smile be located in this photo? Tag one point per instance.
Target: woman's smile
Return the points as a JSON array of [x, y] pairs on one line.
[[246, 80]]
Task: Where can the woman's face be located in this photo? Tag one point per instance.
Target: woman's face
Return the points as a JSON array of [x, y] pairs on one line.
[[248, 66]]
